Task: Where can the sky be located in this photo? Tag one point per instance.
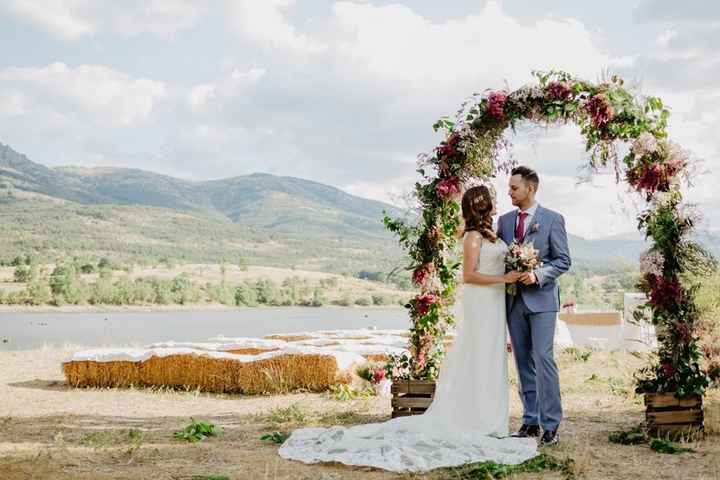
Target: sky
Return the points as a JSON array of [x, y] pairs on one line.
[[344, 92]]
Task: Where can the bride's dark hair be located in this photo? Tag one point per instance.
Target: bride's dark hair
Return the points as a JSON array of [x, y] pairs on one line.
[[477, 207]]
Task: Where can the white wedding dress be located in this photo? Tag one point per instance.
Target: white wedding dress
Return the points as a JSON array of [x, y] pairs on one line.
[[467, 421]]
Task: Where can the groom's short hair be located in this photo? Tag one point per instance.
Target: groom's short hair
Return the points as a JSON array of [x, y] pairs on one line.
[[528, 174]]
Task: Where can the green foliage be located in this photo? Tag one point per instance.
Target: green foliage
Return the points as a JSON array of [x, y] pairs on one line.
[[196, 431], [26, 273], [579, 355], [363, 301], [292, 413], [275, 437], [246, 295], [344, 393], [632, 437], [492, 470], [662, 445]]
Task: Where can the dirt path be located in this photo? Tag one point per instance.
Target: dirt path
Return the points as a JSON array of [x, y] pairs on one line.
[[50, 431]]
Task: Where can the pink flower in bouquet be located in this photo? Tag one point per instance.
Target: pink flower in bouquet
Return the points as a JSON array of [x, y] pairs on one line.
[[423, 302], [558, 91], [448, 187], [600, 110], [496, 104], [644, 144], [379, 375], [421, 273], [668, 369]]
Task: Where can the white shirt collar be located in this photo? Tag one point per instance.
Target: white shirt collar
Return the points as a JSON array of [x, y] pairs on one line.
[[530, 211]]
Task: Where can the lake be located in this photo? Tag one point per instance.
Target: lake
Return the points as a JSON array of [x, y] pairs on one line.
[[20, 331]]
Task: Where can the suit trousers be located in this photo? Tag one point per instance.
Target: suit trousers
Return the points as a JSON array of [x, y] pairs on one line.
[[532, 336]]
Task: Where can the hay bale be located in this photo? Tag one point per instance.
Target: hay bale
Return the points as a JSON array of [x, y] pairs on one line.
[[275, 372]]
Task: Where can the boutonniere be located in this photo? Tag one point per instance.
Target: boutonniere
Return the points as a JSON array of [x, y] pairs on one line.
[[534, 227]]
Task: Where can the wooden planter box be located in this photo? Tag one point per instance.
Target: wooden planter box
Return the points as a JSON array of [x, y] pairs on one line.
[[411, 397], [665, 414]]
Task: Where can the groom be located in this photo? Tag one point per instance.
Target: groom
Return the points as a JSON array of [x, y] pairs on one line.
[[532, 311]]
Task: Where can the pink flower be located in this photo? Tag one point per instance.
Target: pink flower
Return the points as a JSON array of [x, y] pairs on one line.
[[423, 302], [448, 187], [421, 273], [496, 104], [600, 110], [379, 375], [421, 359], [558, 91]]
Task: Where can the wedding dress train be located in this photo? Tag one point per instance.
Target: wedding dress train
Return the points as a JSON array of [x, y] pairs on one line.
[[467, 421]]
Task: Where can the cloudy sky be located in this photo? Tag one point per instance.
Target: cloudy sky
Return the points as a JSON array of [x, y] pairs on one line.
[[342, 92]]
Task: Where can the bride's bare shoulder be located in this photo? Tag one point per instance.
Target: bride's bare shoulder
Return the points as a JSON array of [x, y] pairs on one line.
[[472, 238]]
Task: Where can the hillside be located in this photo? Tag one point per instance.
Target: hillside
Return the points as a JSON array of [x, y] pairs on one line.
[[138, 216]]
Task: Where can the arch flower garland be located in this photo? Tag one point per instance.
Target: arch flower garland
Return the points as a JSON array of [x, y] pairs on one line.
[[608, 116]]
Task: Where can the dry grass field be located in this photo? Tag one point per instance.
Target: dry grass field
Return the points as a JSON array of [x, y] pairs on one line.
[[52, 431]]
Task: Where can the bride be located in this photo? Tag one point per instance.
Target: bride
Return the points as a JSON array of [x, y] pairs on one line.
[[467, 421]]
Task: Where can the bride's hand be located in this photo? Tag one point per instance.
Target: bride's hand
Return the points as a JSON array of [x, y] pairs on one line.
[[512, 277]]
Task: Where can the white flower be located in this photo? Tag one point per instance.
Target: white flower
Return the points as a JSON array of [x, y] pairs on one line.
[[644, 144], [652, 261]]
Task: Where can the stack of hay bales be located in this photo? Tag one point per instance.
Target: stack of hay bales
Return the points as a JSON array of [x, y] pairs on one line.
[[280, 363]]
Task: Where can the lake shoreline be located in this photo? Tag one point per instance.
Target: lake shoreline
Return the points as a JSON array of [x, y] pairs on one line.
[[166, 308]]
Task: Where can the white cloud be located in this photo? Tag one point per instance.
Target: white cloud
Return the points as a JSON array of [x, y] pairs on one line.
[[73, 19], [266, 23], [225, 88], [87, 92]]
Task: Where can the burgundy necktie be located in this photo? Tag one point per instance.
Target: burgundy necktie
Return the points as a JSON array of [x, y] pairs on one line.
[[520, 229]]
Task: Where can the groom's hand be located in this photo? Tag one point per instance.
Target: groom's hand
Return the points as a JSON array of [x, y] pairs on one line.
[[528, 278]]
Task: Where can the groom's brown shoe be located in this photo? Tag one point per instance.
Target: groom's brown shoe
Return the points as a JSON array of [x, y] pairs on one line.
[[527, 431]]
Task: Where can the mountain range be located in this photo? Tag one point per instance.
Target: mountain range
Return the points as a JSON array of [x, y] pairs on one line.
[[236, 217]]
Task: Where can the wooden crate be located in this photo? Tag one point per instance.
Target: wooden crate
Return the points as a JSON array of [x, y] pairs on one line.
[[665, 414], [411, 397]]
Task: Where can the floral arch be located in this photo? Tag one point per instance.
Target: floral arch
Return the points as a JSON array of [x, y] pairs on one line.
[[611, 120]]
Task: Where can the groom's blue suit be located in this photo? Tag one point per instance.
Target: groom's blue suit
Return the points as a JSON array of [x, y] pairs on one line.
[[531, 316]]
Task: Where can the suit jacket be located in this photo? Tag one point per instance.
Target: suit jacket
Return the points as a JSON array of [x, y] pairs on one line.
[[547, 233]]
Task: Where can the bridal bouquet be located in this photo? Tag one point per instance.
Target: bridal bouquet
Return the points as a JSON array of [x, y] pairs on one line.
[[521, 257]]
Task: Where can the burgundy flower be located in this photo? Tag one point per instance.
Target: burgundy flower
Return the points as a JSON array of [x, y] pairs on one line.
[[682, 331], [423, 302], [600, 110], [651, 178], [448, 187], [421, 273], [558, 91], [668, 369], [496, 104], [449, 146], [665, 292]]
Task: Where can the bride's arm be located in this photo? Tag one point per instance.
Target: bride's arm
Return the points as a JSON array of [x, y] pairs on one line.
[[471, 252]]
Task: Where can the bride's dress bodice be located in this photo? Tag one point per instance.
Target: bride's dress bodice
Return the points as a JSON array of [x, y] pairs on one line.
[[491, 260], [468, 418]]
